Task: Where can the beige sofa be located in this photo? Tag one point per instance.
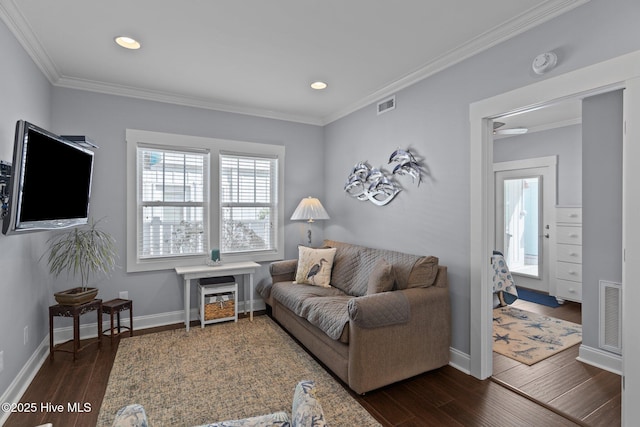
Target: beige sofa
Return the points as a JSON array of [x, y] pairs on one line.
[[368, 335]]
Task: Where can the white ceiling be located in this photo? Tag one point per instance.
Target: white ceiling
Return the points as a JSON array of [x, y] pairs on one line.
[[259, 57]]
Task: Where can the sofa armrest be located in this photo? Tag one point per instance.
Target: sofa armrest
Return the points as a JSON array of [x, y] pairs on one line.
[[377, 310], [283, 271], [386, 354]]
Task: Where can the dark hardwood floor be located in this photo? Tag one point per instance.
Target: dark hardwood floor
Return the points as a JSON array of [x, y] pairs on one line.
[[561, 383], [444, 397]]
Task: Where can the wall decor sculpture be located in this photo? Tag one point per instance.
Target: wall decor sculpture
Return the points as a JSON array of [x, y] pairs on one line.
[[372, 184]]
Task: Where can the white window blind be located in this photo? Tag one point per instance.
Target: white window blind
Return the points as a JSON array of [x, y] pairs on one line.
[[248, 203], [172, 202]]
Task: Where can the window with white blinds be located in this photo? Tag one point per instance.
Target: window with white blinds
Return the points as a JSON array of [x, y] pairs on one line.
[[187, 195], [248, 203], [172, 202]]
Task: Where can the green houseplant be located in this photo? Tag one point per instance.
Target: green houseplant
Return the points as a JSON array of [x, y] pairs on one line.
[[82, 252]]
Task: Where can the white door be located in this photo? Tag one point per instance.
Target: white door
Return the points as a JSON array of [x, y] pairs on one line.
[[525, 200]]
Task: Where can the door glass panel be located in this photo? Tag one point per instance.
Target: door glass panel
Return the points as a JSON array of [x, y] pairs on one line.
[[522, 225]]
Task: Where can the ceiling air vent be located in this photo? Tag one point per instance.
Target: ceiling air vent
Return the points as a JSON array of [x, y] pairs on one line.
[[387, 105]]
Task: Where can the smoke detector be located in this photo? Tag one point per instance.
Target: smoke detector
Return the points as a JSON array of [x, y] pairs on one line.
[[544, 62]]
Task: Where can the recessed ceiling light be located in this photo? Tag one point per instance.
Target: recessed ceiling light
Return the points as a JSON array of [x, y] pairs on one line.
[[127, 42], [318, 85]]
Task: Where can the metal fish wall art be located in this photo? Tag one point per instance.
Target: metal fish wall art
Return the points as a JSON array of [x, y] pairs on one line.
[[406, 165], [372, 184]]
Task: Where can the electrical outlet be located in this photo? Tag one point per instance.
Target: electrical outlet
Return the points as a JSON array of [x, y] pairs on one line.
[[124, 294], [1, 360], [26, 335]]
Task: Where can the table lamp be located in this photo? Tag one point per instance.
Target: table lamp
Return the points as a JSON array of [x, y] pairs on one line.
[[309, 209]]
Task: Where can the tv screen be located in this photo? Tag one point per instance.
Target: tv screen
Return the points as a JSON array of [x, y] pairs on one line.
[[50, 182]]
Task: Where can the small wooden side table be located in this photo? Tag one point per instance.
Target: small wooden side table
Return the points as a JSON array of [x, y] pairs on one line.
[[115, 306], [74, 311]]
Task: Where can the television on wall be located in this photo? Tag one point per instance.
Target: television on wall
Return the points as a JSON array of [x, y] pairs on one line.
[[50, 183]]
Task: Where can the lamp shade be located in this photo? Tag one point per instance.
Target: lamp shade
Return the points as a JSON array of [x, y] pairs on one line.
[[310, 209]]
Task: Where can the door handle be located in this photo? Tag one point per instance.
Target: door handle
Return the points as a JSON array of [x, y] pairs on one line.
[[546, 235]]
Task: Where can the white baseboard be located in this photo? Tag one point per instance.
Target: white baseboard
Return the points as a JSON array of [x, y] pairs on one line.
[[88, 330], [20, 383], [459, 360], [601, 359]]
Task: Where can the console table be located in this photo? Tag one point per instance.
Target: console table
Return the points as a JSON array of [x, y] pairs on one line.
[[189, 273]]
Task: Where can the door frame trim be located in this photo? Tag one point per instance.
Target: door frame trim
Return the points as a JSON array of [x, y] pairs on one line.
[[617, 73]]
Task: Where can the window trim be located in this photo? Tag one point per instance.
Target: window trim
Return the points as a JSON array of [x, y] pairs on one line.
[[215, 146]]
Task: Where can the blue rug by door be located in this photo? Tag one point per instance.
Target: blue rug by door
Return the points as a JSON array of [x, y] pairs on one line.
[[538, 298]]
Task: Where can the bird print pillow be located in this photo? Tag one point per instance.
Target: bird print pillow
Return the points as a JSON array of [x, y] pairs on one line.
[[314, 266]]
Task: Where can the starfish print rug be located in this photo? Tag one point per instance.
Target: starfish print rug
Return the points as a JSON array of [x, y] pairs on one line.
[[529, 337]]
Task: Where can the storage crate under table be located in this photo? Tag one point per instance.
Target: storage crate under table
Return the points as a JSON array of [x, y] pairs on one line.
[[218, 303]]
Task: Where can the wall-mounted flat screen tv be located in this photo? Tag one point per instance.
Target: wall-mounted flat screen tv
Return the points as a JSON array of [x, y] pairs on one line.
[[50, 184]]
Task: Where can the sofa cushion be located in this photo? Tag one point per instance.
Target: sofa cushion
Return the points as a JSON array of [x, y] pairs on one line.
[[382, 278], [314, 266], [329, 314], [345, 264], [356, 272], [306, 410], [424, 272], [369, 257], [293, 295], [325, 308]]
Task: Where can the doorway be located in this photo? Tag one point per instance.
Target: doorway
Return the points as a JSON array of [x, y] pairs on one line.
[[620, 72], [525, 196]]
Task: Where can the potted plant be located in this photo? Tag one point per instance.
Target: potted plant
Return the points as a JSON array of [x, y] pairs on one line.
[[83, 251]]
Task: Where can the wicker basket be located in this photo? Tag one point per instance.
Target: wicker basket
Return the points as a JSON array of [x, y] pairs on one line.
[[219, 309]]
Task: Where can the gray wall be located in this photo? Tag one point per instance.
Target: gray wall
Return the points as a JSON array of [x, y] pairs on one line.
[[105, 118], [24, 286], [602, 202], [432, 117], [564, 142]]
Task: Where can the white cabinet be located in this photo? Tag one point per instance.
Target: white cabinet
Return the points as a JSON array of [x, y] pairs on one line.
[[566, 280]]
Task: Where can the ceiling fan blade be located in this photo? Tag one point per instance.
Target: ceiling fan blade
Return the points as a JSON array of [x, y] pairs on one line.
[[511, 131]]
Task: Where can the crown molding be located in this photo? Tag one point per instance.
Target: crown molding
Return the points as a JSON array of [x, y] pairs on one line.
[[171, 98], [496, 35], [16, 23]]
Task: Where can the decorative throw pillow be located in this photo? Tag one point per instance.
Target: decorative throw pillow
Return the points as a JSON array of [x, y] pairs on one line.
[[314, 266], [277, 419], [131, 415], [423, 273], [306, 410], [382, 278]]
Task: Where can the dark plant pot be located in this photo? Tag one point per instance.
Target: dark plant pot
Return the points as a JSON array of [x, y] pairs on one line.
[[75, 296]]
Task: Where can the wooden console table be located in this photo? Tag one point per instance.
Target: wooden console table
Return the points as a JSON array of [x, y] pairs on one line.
[[247, 269], [74, 311]]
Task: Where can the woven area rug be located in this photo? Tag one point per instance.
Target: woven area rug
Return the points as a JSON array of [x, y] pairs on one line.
[[222, 372], [530, 337]]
